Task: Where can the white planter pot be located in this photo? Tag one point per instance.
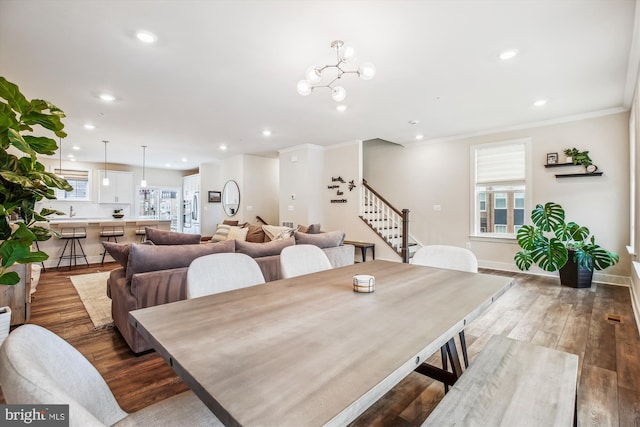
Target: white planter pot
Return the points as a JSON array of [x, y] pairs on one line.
[[5, 323]]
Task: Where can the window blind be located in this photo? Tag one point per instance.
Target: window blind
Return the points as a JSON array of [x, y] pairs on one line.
[[500, 163]]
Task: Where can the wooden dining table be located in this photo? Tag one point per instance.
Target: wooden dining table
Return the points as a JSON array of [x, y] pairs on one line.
[[309, 351]]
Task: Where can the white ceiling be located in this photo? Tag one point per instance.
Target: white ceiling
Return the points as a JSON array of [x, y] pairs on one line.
[[222, 71]]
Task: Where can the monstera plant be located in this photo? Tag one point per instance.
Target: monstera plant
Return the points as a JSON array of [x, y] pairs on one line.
[[23, 179], [554, 244]]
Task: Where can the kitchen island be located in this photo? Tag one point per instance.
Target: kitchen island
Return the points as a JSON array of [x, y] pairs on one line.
[[92, 244]]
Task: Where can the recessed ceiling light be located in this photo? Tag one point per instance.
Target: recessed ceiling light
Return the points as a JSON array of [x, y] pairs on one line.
[[419, 136], [508, 54], [70, 156], [540, 103], [223, 147], [72, 160], [89, 126], [75, 147], [107, 97], [168, 165], [341, 108], [184, 160], [146, 36], [266, 132]]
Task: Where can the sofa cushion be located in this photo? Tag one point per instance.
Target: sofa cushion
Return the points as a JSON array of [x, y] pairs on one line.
[[229, 222], [322, 240], [164, 237], [255, 233], [143, 258], [257, 250], [274, 232]]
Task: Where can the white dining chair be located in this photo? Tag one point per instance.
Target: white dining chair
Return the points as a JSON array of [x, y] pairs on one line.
[[297, 260], [215, 273], [451, 258], [37, 367]]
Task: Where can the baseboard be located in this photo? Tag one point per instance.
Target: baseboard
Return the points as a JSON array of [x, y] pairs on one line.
[[605, 279]]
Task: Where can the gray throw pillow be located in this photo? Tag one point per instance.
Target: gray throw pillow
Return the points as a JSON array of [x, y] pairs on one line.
[[321, 240], [257, 250], [143, 258], [164, 237]]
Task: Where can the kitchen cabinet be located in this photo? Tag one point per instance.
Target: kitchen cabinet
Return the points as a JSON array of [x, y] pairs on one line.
[[191, 204], [119, 190]]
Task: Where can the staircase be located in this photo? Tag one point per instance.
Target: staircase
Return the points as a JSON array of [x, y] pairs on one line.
[[390, 223]]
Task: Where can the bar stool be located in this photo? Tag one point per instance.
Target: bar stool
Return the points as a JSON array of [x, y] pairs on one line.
[[73, 233], [43, 224], [142, 225], [111, 230]]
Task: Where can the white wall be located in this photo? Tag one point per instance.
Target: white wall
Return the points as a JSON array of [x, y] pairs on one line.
[[211, 214], [257, 178], [425, 175], [301, 187]]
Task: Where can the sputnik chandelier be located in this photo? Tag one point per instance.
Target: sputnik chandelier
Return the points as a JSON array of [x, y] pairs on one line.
[[345, 54]]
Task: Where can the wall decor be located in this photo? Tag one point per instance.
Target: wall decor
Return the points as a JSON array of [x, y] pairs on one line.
[[552, 158], [215, 196], [336, 183]]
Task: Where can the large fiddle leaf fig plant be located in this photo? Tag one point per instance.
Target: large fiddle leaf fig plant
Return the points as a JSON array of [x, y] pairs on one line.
[[550, 241], [23, 179]]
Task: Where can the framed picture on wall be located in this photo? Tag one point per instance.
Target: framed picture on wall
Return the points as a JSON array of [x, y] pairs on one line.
[[552, 158], [215, 196]]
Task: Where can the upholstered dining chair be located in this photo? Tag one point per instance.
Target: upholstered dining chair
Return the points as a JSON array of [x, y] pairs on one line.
[[451, 258], [297, 260], [38, 367], [215, 273]]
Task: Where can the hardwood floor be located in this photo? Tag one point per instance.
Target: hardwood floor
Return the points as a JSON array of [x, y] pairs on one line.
[[536, 309]]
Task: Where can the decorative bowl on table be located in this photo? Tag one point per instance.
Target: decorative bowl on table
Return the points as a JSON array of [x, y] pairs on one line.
[[117, 214]]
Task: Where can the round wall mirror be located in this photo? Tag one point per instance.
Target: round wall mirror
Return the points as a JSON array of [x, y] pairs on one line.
[[231, 198]]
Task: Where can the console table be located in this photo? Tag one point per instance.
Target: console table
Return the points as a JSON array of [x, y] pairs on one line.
[[363, 248]]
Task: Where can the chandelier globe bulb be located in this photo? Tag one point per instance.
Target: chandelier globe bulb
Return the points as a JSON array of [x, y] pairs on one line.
[[367, 71], [348, 53], [338, 93], [313, 74], [304, 87]]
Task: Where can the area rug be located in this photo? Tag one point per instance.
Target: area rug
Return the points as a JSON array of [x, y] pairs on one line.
[[92, 289]]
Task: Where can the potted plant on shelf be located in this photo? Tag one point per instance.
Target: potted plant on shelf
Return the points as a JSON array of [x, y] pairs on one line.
[[23, 179], [554, 244]]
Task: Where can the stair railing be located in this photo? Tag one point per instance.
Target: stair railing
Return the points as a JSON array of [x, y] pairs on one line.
[[390, 223]]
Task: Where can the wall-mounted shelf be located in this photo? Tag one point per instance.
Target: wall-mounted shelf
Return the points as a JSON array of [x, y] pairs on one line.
[[555, 165], [575, 175], [571, 175]]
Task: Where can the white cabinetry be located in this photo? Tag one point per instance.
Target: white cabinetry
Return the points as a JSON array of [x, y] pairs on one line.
[[191, 204], [119, 190]]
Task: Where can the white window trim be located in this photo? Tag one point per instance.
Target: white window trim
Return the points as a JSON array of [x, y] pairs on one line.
[[528, 182], [54, 168], [633, 176]]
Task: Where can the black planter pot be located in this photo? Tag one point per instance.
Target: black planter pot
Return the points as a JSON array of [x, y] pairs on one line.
[[573, 275]]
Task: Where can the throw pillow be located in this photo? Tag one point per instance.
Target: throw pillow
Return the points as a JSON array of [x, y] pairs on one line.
[[321, 240], [273, 232], [229, 222], [118, 251], [164, 237], [143, 258], [257, 250], [237, 233], [302, 229], [221, 233], [313, 229], [255, 234]]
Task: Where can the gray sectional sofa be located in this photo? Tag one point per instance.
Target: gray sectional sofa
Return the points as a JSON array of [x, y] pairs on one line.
[[155, 273]]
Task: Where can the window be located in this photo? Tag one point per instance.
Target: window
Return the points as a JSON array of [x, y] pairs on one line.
[[78, 179], [500, 190]]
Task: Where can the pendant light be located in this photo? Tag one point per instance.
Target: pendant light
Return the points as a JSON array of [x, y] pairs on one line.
[[105, 180], [60, 161], [143, 183]]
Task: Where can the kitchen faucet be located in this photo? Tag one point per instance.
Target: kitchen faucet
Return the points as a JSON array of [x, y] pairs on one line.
[[71, 212]]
